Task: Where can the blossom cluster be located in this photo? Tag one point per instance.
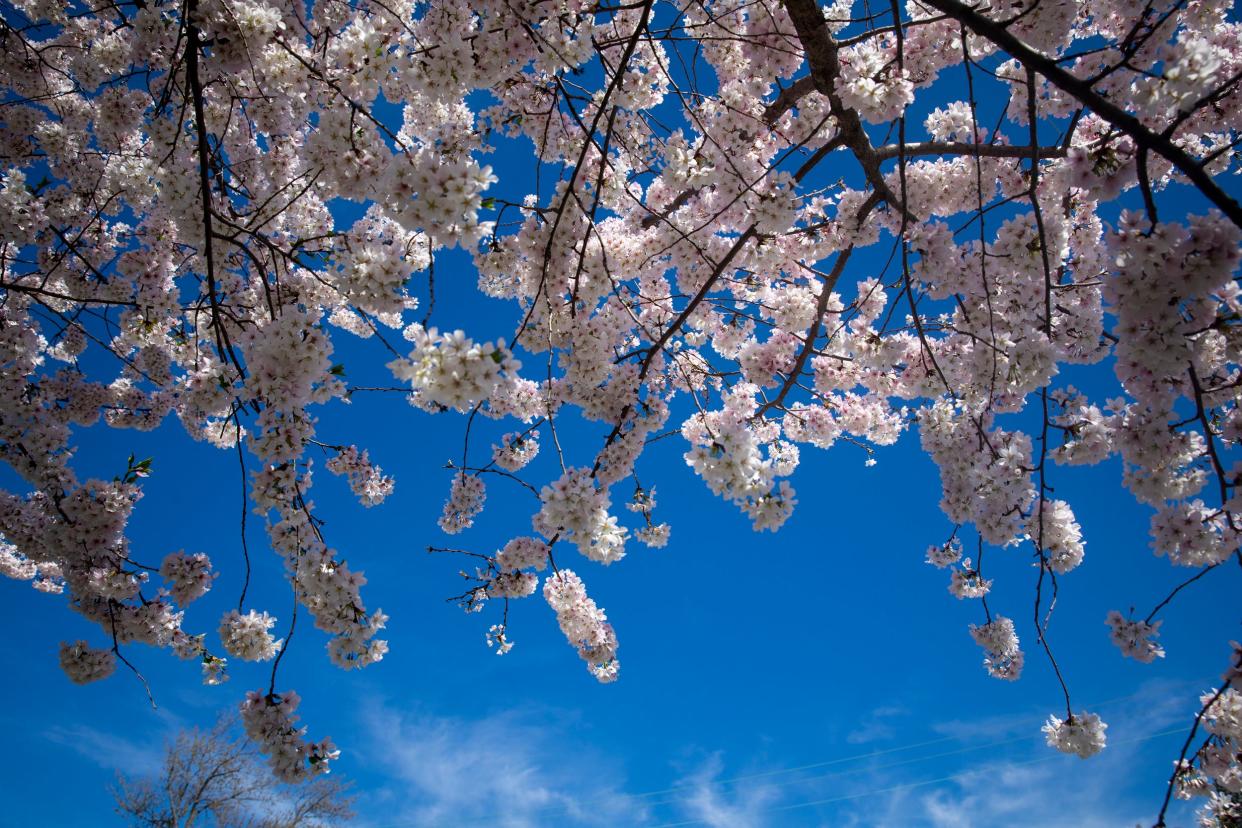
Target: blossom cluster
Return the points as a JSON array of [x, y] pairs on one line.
[[583, 623], [1003, 656], [574, 508], [1080, 733], [247, 636], [189, 576], [452, 370], [1215, 770], [84, 664], [1135, 638], [368, 482], [270, 721]]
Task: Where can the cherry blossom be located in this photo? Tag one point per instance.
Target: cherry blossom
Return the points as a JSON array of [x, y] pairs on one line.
[[189, 576], [738, 257], [247, 637], [1081, 734], [83, 664], [1135, 637], [269, 720]]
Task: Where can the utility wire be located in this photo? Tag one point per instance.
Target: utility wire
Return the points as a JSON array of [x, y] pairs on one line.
[[925, 782], [644, 797]]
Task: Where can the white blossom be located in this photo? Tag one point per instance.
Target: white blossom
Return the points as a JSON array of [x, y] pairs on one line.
[[247, 636], [84, 664], [1081, 734]]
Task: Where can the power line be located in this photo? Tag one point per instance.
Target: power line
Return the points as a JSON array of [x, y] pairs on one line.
[[925, 782], [642, 797], [820, 777], [858, 757]]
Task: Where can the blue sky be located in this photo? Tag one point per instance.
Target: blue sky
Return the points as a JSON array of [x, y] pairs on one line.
[[819, 676]]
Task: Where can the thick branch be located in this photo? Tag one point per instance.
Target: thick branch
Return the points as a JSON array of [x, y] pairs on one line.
[[1143, 137], [788, 99], [822, 56]]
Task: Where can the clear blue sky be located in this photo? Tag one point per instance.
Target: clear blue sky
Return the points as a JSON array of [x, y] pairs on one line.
[[818, 676]]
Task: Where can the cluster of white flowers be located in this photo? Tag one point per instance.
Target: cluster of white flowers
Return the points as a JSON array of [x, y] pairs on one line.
[[523, 553], [214, 669], [873, 86], [1215, 770], [465, 501], [966, 582], [333, 593], [575, 509], [373, 270], [999, 640], [1224, 716], [1057, 534], [1089, 432], [515, 451], [1135, 638], [1080, 733], [270, 721], [289, 360], [1192, 534], [452, 370], [84, 664], [44, 576], [497, 638], [366, 480], [728, 453], [583, 623], [655, 536], [946, 554], [189, 576], [988, 488], [513, 585], [247, 636]]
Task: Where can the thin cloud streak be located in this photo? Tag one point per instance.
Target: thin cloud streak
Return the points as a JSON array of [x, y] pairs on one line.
[[1011, 780], [710, 804], [109, 750], [510, 770]]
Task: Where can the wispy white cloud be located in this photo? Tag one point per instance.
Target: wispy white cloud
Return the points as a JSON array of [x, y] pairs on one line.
[[705, 801], [513, 769], [1028, 787], [1064, 791], [109, 750], [876, 726], [999, 772], [521, 769]]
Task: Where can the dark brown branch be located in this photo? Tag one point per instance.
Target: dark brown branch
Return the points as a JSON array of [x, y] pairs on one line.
[[1082, 91], [788, 99]]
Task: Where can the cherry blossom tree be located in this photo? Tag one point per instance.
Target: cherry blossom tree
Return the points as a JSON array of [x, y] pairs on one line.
[[170, 246]]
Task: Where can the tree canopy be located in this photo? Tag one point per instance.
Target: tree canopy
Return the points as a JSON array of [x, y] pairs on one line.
[[757, 228]]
